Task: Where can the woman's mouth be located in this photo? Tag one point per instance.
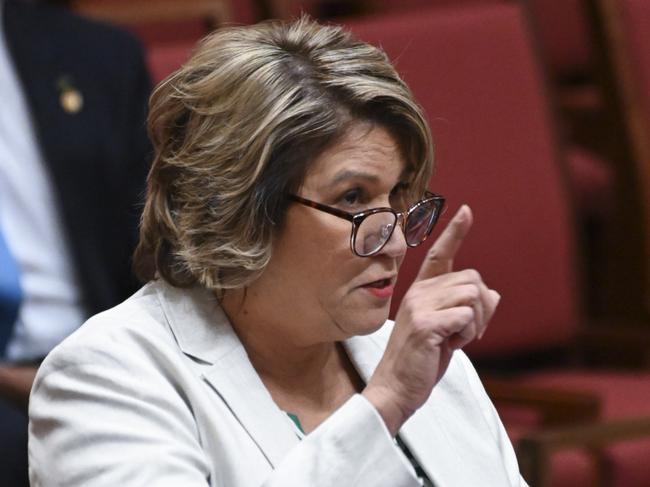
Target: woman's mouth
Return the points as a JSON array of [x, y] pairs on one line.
[[382, 288]]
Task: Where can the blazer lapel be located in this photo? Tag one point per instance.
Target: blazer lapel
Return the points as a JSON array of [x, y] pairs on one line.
[[252, 405], [435, 447], [204, 333], [452, 439]]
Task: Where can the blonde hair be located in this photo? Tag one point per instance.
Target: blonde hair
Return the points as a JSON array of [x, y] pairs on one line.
[[234, 131]]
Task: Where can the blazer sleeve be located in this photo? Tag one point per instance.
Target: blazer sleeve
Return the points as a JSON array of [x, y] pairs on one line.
[[111, 421], [352, 447]]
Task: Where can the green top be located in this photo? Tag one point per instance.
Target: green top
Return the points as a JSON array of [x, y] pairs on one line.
[[296, 421]]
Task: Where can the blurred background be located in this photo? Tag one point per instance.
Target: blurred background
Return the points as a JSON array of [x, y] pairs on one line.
[[540, 111]]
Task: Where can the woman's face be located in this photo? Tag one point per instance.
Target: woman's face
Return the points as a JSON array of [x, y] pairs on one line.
[[313, 283]]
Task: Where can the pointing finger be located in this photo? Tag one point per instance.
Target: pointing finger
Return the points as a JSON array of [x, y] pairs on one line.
[[440, 258]]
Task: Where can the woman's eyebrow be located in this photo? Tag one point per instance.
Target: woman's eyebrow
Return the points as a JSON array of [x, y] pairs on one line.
[[350, 174]]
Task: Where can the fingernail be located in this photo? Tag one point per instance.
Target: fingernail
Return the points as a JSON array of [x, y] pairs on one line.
[[461, 215]]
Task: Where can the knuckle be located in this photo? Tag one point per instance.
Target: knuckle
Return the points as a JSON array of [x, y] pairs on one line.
[[473, 275], [465, 314], [473, 293], [421, 330], [433, 253]]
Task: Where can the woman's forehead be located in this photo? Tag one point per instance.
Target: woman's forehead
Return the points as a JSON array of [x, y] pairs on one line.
[[365, 153]]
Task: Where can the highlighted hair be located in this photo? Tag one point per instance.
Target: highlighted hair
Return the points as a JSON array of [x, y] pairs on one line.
[[234, 131]]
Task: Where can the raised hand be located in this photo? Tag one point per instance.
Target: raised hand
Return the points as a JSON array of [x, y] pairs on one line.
[[442, 311]]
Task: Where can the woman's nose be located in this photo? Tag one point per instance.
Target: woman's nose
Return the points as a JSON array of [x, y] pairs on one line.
[[396, 245]]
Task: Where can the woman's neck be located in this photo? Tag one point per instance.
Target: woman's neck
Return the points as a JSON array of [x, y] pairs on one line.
[[312, 375]]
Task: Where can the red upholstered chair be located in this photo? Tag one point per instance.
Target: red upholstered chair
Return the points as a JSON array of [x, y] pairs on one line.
[[564, 33], [169, 28], [566, 40], [164, 58], [475, 74], [563, 36], [562, 27], [393, 6], [170, 21]]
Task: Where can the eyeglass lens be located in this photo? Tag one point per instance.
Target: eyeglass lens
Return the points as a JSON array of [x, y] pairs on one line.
[[418, 223], [375, 230]]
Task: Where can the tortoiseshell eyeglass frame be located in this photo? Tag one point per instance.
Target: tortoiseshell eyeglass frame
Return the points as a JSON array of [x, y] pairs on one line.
[[400, 216]]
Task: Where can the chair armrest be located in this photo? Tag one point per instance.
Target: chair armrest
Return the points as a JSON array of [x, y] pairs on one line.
[[555, 406], [534, 450]]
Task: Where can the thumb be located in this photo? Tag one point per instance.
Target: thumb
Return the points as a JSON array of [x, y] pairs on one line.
[[440, 258]]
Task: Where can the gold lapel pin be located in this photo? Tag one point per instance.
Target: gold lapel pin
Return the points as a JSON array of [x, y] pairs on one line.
[[70, 98]]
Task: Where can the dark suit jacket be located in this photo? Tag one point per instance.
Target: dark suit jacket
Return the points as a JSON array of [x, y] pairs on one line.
[[97, 158]]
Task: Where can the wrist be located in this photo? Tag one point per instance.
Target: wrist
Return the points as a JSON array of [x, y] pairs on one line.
[[383, 400]]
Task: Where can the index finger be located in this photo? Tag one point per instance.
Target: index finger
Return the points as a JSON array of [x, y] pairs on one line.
[[440, 258]]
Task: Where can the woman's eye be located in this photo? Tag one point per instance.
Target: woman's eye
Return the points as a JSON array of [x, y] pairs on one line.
[[352, 197]]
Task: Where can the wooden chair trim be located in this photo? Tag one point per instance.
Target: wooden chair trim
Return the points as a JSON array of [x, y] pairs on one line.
[[593, 435], [534, 451], [557, 407], [622, 82]]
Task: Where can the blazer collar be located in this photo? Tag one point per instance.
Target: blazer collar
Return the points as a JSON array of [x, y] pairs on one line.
[[198, 323], [204, 333]]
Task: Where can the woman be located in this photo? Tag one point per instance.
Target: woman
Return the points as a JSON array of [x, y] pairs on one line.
[[289, 179]]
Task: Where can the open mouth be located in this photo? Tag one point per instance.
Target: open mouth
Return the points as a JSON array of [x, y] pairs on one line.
[[381, 283], [382, 288]]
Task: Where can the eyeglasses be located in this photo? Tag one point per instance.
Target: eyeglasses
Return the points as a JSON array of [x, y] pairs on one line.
[[372, 229]]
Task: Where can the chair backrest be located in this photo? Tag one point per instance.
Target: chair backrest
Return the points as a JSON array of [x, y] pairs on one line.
[[165, 58], [384, 6], [561, 26], [623, 27], [169, 29], [474, 72], [564, 35], [170, 21]]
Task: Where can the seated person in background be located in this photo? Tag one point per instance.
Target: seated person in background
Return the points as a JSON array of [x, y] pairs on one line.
[[289, 179], [73, 160]]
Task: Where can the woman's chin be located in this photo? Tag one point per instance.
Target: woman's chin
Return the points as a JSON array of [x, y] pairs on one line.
[[370, 321]]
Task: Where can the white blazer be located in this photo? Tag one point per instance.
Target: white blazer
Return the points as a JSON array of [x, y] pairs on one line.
[[159, 391]]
